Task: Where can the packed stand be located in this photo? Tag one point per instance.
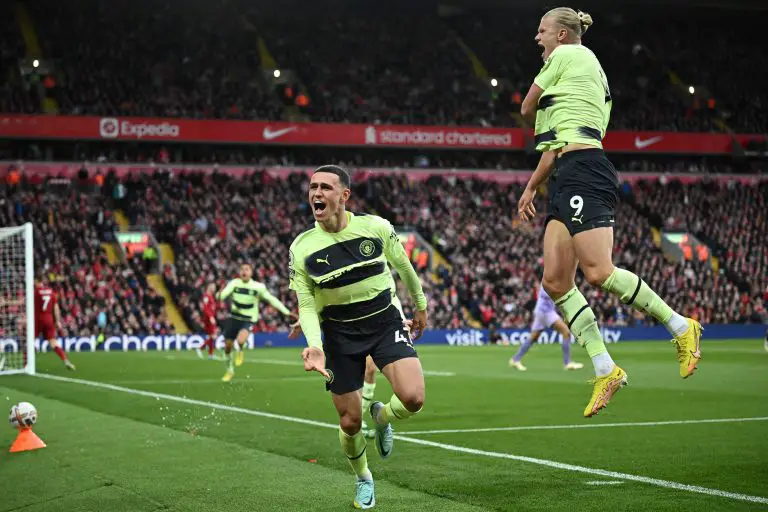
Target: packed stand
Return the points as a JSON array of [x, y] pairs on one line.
[[730, 218], [214, 225], [379, 64], [497, 265], [14, 95], [146, 58], [70, 226], [640, 64]]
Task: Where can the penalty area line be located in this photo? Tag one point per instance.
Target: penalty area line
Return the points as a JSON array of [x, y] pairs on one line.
[[422, 442]]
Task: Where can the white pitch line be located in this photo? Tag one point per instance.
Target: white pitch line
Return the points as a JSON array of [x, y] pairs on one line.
[[591, 471], [580, 425], [243, 380], [604, 482], [449, 447]]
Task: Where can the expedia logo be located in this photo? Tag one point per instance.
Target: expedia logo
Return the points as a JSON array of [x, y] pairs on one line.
[[111, 128]]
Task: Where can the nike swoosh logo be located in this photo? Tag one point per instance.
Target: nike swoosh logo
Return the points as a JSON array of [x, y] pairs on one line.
[[269, 134], [642, 144]]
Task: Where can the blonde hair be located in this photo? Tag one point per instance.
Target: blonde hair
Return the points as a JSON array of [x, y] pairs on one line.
[[576, 22]]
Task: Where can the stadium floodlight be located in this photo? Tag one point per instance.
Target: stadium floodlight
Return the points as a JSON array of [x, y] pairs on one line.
[[494, 82], [276, 73], [691, 89]]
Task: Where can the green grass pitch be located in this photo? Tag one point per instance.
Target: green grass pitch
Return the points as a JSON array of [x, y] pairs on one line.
[[159, 431]]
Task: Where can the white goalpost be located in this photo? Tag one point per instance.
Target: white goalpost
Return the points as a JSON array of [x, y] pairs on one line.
[[17, 302]]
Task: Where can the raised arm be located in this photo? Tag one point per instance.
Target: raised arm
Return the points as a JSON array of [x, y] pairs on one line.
[[273, 301], [227, 291]]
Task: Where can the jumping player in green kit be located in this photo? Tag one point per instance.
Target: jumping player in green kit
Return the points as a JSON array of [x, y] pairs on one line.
[[571, 103], [348, 310]]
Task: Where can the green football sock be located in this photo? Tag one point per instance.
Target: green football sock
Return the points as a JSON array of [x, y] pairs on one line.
[[581, 321], [634, 292], [354, 448], [368, 390], [394, 410], [229, 361]]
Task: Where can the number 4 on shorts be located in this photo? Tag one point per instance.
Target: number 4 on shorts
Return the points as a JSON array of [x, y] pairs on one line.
[[400, 338]]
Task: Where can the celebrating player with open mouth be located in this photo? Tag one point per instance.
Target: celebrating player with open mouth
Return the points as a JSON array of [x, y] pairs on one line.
[[345, 290], [570, 102]]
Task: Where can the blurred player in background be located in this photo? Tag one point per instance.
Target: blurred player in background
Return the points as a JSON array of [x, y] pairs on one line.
[[340, 273], [101, 321], [545, 316], [208, 308], [48, 318], [245, 295], [570, 102]]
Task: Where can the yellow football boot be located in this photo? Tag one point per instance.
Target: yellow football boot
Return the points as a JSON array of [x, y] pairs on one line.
[[688, 348], [605, 388]]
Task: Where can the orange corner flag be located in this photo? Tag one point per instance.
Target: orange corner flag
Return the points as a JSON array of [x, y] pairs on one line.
[[26, 441]]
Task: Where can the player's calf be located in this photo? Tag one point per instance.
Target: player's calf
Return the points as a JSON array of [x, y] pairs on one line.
[[60, 352]]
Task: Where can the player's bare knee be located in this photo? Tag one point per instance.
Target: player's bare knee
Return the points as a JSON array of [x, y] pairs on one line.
[[413, 401], [351, 422], [596, 275], [555, 286]]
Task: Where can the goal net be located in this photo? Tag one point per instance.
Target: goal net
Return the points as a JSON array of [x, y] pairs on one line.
[[17, 322]]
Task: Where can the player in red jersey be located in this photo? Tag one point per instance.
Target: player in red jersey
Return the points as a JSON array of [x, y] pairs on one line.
[[208, 306], [48, 318]]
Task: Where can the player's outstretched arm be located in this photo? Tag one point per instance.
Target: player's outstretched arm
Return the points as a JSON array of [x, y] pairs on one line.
[[227, 291], [397, 257], [274, 302]]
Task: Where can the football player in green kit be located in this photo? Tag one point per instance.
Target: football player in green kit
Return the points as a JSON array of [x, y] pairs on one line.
[[348, 310]]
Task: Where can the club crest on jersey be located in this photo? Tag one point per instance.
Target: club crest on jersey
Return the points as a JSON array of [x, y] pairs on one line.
[[367, 247]]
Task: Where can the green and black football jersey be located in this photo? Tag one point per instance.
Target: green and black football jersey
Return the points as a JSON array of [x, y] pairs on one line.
[[245, 297], [576, 103], [345, 276]]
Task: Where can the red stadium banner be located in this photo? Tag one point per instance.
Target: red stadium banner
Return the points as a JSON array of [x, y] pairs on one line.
[[331, 134]]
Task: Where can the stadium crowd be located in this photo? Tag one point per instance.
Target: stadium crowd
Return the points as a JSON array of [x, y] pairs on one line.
[[497, 260], [493, 261], [393, 64], [70, 225], [731, 218], [151, 59], [494, 267]]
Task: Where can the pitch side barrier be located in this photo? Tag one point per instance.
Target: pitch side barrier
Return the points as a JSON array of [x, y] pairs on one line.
[[451, 337], [70, 169]]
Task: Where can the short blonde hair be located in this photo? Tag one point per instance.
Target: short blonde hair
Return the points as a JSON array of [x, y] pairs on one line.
[[576, 22]]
